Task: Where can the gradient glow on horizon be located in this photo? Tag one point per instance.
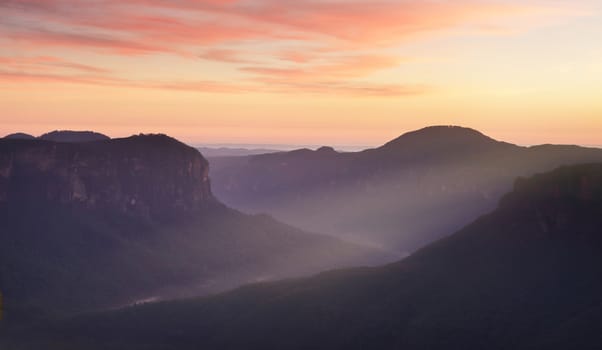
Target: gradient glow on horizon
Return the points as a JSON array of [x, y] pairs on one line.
[[338, 72]]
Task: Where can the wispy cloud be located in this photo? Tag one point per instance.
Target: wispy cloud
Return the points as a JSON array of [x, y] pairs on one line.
[[46, 64], [331, 41], [336, 68], [41, 77], [224, 55], [273, 86]]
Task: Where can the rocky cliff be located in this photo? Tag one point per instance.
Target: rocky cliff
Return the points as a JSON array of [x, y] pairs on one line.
[[503, 282], [106, 223], [153, 176], [567, 201]]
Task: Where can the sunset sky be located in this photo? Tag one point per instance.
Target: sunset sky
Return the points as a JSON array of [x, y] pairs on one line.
[[338, 72]]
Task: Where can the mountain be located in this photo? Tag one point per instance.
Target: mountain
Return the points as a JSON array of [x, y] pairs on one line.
[[212, 152], [19, 136], [525, 276], [73, 136], [411, 191], [442, 142], [62, 136], [105, 223], [150, 175]]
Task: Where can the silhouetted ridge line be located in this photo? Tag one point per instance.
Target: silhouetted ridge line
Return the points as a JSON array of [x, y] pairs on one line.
[[421, 186], [73, 136], [19, 136], [443, 139]]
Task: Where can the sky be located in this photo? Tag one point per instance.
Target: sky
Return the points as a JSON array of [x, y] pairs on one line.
[[332, 72]]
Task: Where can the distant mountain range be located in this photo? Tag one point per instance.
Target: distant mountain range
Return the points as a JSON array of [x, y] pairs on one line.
[[212, 152], [526, 276], [251, 150], [61, 136], [98, 224], [19, 136], [73, 136], [411, 191]]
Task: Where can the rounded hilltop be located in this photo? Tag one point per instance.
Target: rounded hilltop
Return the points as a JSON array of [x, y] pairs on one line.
[[444, 139], [19, 136], [73, 136]]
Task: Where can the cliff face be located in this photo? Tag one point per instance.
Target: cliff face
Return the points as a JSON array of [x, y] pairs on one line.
[[503, 282], [576, 183], [101, 224], [566, 201], [152, 176]]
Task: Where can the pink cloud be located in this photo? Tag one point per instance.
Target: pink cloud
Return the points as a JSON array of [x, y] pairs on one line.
[[156, 25], [78, 41], [224, 55], [338, 68], [99, 80], [296, 56], [332, 41], [268, 85], [346, 88], [47, 63]]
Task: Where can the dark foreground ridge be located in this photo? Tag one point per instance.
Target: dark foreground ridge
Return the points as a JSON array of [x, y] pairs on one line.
[[526, 276]]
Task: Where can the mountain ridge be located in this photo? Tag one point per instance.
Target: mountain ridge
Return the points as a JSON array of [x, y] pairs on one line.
[[114, 221], [386, 195], [73, 136], [443, 136], [504, 281], [19, 136], [117, 173]]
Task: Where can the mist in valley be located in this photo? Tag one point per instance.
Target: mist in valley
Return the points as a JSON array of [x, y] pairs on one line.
[[308, 174]]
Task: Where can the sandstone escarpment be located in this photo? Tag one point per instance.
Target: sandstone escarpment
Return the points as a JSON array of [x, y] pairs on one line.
[[152, 176], [561, 201]]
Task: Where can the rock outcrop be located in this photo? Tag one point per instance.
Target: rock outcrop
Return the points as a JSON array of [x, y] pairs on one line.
[[500, 283], [562, 201], [102, 224], [153, 176]]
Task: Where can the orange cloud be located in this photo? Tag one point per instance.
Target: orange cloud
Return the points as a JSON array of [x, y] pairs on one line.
[[344, 88], [37, 38], [155, 25], [224, 55], [201, 86], [341, 68], [296, 56], [373, 22], [47, 63], [318, 43]]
